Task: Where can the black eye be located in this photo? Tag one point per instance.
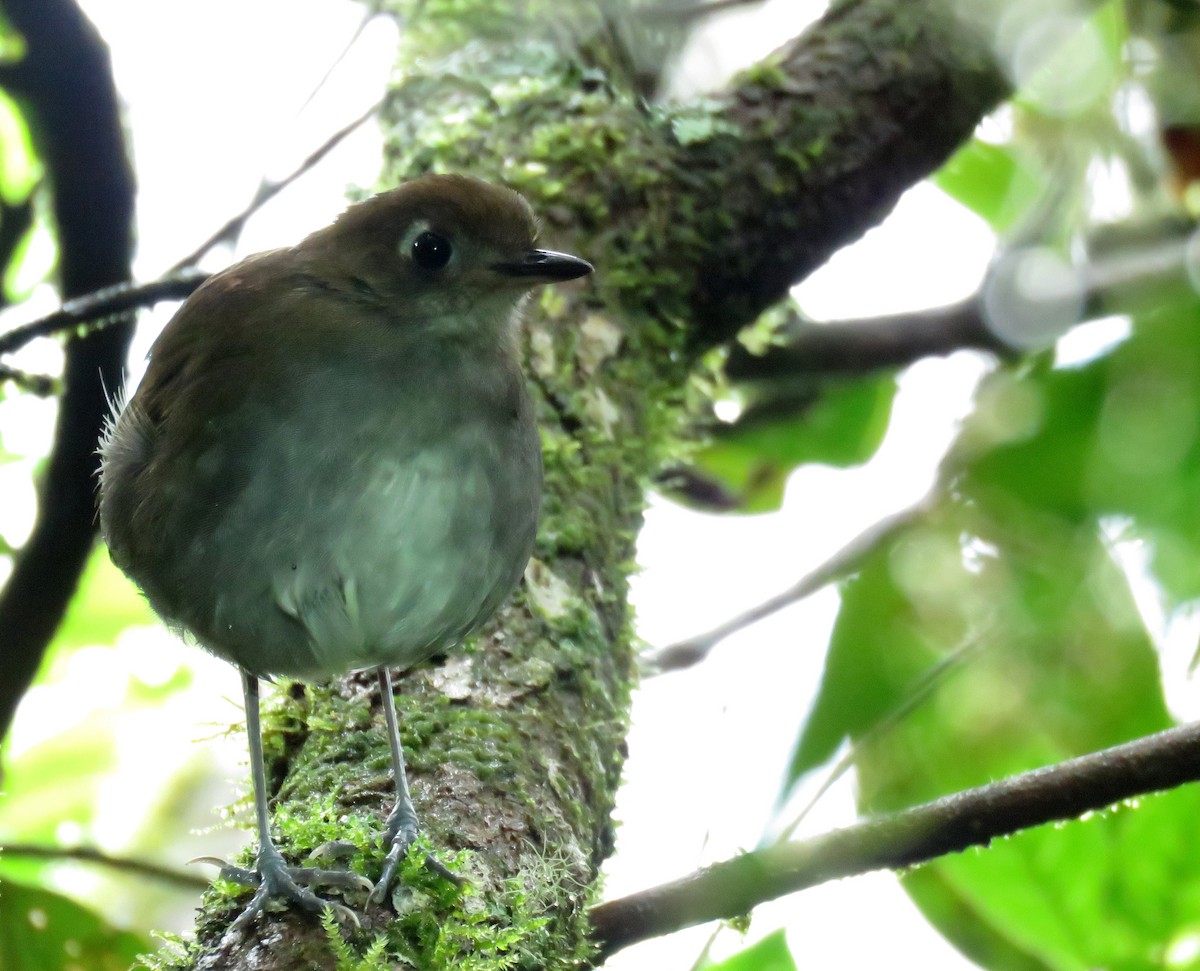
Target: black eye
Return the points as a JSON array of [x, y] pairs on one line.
[[431, 251]]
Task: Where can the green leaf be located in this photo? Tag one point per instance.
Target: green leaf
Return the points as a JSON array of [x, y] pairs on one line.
[[105, 605], [43, 931], [769, 954], [1119, 436], [963, 925], [842, 424], [972, 648], [1114, 890], [998, 183], [57, 781], [20, 168]]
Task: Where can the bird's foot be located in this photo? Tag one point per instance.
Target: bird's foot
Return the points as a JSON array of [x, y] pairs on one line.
[[275, 880], [400, 834]]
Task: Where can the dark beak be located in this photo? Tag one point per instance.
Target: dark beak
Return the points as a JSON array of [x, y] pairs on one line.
[[545, 266]]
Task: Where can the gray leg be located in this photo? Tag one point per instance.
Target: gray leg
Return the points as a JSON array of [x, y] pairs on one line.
[[273, 877], [401, 829]]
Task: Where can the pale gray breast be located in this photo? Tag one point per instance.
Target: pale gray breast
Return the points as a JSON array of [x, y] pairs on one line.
[[356, 523]]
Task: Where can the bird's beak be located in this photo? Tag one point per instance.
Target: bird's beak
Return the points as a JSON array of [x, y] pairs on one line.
[[545, 266]]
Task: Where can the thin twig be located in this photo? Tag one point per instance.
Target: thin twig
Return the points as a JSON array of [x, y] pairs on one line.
[[267, 190], [109, 303], [845, 561], [367, 17], [951, 824], [176, 284], [39, 385], [89, 854]]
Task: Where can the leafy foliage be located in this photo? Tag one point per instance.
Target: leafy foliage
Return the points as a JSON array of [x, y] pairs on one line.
[[44, 931]]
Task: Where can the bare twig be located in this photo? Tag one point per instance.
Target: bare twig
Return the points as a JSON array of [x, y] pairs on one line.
[[267, 190], [89, 854], [687, 653], [1148, 256], [111, 302], [867, 344], [106, 304], [951, 824], [39, 385]]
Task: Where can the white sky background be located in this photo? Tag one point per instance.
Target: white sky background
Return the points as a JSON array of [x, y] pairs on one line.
[[213, 93]]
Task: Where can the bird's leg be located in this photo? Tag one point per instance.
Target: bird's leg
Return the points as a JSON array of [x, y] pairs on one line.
[[273, 877], [401, 830]]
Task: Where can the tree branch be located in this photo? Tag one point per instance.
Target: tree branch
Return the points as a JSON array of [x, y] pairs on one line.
[[105, 304], [65, 78], [686, 654], [951, 824], [843, 119], [1142, 258], [124, 864], [864, 345]]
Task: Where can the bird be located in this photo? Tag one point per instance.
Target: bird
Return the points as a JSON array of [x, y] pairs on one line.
[[332, 463]]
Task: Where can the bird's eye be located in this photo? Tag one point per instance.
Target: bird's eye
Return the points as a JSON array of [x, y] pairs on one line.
[[431, 251]]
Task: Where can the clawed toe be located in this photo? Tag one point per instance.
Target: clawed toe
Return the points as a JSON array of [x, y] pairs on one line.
[[398, 851], [276, 881], [290, 892]]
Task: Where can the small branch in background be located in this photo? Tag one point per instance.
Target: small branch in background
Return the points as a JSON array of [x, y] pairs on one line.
[[845, 561], [39, 385], [106, 304], [1024, 283], [65, 83], [368, 15], [267, 190], [951, 824], [865, 345], [111, 302], [88, 854]]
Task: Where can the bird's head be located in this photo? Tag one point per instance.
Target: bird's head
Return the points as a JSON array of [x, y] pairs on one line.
[[447, 252]]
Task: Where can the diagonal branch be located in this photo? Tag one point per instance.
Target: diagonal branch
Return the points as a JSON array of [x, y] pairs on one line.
[[845, 561], [951, 824], [104, 304], [268, 189]]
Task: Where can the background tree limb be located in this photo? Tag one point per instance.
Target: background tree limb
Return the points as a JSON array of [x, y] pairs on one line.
[[66, 80]]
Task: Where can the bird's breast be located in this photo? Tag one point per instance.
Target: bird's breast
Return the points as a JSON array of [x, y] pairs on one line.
[[354, 519]]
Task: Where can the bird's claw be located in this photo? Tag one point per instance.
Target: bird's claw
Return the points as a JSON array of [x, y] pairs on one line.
[[292, 893], [275, 880], [401, 843]]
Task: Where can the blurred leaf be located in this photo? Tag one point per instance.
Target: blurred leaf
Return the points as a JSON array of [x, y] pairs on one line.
[[841, 425], [1119, 436], [56, 782], [43, 931], [961, 923], [20, 167], [769, 954], [996, 182], [1114, 890], [1060, 665], [105, 604]]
